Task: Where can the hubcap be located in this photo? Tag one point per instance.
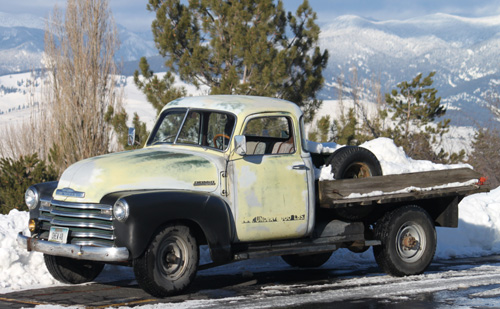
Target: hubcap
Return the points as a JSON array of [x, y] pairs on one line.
[[357, 170], [173, 257], [410, 242]]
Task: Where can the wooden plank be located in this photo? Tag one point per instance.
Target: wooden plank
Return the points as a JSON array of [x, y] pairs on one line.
[[335, 191]]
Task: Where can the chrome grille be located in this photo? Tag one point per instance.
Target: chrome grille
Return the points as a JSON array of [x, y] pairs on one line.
[[89, 224]]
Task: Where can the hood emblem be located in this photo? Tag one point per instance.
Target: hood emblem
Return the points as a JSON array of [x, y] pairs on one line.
[[204, 183], [70, 193]]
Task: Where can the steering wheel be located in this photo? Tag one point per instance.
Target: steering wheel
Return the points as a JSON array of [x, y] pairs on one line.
[[219, 140]]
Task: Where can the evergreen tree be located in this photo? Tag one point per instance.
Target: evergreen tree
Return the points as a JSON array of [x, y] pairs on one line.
[[321, 131], [158, 91], [345, 128], [485, 157], [415, 105], [241, 47], [15, 178], [118, 119]]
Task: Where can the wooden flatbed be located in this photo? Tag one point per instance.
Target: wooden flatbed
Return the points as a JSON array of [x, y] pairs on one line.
[[399, 188]]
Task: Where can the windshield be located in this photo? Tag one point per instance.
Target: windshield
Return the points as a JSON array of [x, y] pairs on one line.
[[196, 127]]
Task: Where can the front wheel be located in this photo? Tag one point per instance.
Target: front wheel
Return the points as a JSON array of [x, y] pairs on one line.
[[170, 263], [408, 241], [72, 271]]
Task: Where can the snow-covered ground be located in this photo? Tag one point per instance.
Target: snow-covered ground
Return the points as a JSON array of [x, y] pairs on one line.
[[478, 234]]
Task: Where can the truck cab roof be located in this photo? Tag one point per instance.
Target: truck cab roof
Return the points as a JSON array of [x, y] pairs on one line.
[[239, 105]]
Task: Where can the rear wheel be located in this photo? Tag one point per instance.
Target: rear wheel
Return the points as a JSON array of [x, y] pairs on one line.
[[170, 263], [72, 271], [408, 241], [308, 261]]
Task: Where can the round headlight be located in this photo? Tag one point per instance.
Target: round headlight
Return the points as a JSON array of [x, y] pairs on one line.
[[121, 210], [31, 198]]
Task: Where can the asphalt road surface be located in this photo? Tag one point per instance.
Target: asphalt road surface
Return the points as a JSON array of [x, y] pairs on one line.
[[471, 282]]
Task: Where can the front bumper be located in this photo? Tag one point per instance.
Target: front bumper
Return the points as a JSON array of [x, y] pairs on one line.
[[101, 254]]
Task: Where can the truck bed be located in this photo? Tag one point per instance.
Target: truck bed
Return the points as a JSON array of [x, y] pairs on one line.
[[399, 188]]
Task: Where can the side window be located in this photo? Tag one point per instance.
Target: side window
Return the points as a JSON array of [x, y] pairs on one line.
[[220, 129], [269, 135]]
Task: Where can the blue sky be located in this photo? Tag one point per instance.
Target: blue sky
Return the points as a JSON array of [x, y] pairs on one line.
[[133, 14]]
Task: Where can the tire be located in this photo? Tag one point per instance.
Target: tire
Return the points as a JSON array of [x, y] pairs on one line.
[[353, 162], [169, 264], [72, 271], [307, 261], [408, 239]]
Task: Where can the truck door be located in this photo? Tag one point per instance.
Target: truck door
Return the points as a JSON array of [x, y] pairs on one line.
[[270, 189]]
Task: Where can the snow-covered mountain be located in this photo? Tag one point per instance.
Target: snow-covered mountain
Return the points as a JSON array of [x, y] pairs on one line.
[[22, 43], [464, 52]]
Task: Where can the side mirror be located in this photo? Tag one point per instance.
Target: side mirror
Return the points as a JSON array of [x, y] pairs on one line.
[[131, 136], [240, 145]]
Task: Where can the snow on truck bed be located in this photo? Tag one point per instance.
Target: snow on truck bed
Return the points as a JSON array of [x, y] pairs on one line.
[[393, 159], [478, 232]]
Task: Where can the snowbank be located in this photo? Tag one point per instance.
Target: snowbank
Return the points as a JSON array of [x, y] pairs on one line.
[[478, 233], [394, 160], [19, 269]]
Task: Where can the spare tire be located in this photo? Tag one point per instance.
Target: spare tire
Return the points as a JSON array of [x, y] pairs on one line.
[[353, 162]]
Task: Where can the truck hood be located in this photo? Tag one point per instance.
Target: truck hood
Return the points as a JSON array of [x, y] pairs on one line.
[[149, 168]]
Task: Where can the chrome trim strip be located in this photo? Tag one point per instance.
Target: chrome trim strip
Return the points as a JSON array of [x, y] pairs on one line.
[[45, 202], [43, 218], [70, 193], [102, 254], [44, 209], [81, 205], [81, 215], [82, 224], [92, 234], [97, 243]]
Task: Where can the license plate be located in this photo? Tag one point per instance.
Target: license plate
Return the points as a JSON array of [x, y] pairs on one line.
[[58, 234]]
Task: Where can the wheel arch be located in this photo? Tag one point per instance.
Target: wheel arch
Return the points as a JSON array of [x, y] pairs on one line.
[[443, 210]]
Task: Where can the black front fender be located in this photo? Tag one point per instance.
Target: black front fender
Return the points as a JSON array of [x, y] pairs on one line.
[[150, 211], [45, 191]]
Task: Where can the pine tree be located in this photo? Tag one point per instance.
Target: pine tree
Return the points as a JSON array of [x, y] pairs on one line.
[[158, 91], [321, 131], [118, 119], [415, 105], [242, 47], [485, 157], [17, 175], [345, 128]]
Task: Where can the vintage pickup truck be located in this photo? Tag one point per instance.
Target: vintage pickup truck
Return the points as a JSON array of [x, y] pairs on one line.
[[234, 173]]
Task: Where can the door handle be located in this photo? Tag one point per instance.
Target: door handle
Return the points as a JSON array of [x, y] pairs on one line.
[[299, 167]]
